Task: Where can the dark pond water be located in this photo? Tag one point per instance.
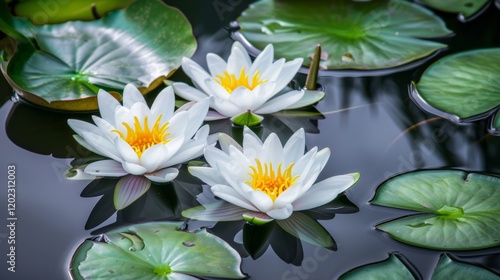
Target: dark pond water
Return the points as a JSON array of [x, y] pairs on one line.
[[369, 123]]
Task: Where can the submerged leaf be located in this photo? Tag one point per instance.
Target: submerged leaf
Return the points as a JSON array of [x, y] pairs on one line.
[[142, 44], [353, 34], [156, 250], [461, 209]]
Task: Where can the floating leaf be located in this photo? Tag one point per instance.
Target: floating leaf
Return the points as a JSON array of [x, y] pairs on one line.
[[55, 12], [352, 34], [466, 8], [141, 44], [450, 269], [462, 87], [155, 251], [461, 209], [391, 268]]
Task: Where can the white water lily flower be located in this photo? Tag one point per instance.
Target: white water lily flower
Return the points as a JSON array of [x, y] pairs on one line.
[[266, 177], [141, 142], [239, 86]]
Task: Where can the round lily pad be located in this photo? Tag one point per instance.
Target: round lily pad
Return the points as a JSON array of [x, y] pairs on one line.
[[462, 87], [460, 210], [62, 66], [352, 34], [465, 8], [157, 250]]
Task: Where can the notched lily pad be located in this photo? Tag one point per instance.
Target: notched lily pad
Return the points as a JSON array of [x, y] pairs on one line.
[[462, 87], [157, 250], [62, 66], [447, 268], [391, 268], [465, 8], [352, 34], [460, 210]]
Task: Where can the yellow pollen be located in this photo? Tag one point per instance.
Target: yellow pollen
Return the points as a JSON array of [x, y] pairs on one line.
[[269, 181], [230, 82], [141, 137]]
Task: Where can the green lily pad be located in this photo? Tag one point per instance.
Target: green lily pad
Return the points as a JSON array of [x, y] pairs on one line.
[[157, 250], [352, 34], [466, 8], [450, 269], [462, 87], [68, 63], [460, 210], [391, 268], [54, 12]]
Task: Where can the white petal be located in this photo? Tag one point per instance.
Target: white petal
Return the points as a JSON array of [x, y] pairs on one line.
[[153, 157], [188, 92], [197, 114], [173, 148], [216, 65], [324, 192], [322, 157], [190, 150], [309, 98], [129, 189], [178, 124], [107, 168], [131, 96], [252, 145], [102, 145], [134, 169], [163, 175], [214, 115], [197, 74], [288, 71], [85, 144], [272, 72], [105, 127], [294, 147], [280, 102], [164, 104], [281, 213], [263, 61], [202, 133], [127, 153], [225, 141], [238, 59], [246, 99], [230, 195], [80, 126], [214, 155], [217, 90], [260, 200], [273, 151], [208, 175], [107, 105]]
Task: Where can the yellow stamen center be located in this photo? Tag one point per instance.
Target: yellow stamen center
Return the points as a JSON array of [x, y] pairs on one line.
[[140, 137], [230, 82], [271, 182]]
